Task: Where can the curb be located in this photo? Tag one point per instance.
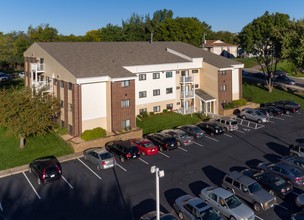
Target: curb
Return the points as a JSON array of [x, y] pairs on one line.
[[23, 168]]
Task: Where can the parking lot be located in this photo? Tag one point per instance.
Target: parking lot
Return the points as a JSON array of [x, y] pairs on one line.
[[128, 190]]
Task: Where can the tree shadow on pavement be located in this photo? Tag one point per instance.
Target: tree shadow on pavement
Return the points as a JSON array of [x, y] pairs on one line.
[[253, 163], [215, 175], [146, 206], [278, 148], [273, 158], [237, 168], [172, 194], [197, 186]]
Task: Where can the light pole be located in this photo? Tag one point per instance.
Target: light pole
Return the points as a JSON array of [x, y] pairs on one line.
[[158, 174]]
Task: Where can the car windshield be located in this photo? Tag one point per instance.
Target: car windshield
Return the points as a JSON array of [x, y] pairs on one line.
[[196, 129], [184, 135], [259, 113], [254, 187], [233, 123], [233, 202], [295, 172], [133, 150], [105, 156], [210, 214], [278, 181], [51, 169], [148, 145]]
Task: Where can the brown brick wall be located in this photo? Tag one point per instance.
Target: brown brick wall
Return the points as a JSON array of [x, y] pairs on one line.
[[66, 105], [76, 111], [241, 83], [119, 93], [225, 80]]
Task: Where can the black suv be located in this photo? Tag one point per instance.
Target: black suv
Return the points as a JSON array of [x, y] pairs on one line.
[[163, 141], [211, 128], [125, 150], [46, 169], [288, 107]]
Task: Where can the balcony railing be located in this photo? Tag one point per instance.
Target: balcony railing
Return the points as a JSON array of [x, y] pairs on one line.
[[39, 67], [41, 85], [186, 111], [187, 94], [186, 79]]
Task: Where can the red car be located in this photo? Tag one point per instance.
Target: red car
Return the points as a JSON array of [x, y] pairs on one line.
[[145, 146]]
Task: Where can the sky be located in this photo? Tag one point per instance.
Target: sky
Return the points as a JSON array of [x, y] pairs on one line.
[[80, 16]]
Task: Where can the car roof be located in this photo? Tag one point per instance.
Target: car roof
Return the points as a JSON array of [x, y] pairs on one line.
[[222, 192], [197, 203], [241, 177]]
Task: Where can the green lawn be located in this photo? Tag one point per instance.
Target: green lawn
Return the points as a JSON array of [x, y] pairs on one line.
[[167, 120], [259, 95], [12, 156]]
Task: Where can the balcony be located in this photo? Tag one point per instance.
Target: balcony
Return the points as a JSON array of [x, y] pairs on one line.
[[187, 94], [37, 67], [186, 79], [46, 86], [186, 111]]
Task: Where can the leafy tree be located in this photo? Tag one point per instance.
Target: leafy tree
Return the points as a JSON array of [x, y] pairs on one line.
[[42, 33], [226, 36], [7, 49], [69, 38], [261, 39], [159, 17], [24, 114], [111, 33], [293, 43], [134, 28], [92, 36]]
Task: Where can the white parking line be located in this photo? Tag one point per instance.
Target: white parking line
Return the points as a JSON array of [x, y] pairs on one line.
[[228, 135], [212, 138], [258, 217], [163, 154], [67, 182], [31, 185], [199, 144], [240, 131], [287, 115], [89, 168], [144, 161], [182, 149], [271, 122], [297, 194], [279, 118], [121, 167], [283, 207], [1, 207]]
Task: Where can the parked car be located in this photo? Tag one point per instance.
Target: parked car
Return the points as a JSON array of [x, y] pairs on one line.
[[249, 190], [297, 216], [287, 171], [163, 141], [125, 150], [293, 106], [272, 182], [192, 130], [254, 115], [229, 124], [284, 80], [100, 157], [211, 128], [4, 77], [189, 207], [46, 169], [182, 137], [265, 111], [274, 110], [152, 216], [145, 146], [294, 160], [226, 203], [297, 149], [300, 201]]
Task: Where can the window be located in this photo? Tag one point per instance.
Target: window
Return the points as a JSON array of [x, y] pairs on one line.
[[70, 107], [223, 72], [169, 106], [70, 86], [223, 87], [142, 110], [155, 75], [126, 123], [62, 84], [156, 108], [61, 103], [142, 94], [156, 92], [142, 77], [125, 83], [55, 82], [125, 103], [196, 86], [169, 90], [194, 71], [168, 74]]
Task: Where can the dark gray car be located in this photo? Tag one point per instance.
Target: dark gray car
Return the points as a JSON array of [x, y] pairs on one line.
[[182, 137], [249, 190]]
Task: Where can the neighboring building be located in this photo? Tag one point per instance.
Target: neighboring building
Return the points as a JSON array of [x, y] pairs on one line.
[[107, 84], [221, 48]]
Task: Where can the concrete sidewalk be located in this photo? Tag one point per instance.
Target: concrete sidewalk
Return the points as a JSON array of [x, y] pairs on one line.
[[15, 170]]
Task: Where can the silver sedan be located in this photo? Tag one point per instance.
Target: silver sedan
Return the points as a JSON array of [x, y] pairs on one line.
[[100, 157]]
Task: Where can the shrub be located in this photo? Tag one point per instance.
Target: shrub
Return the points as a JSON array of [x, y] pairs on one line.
[[165, 110], [93, 134], [235, 104], [144, 114], [59, 130], [151, 113]]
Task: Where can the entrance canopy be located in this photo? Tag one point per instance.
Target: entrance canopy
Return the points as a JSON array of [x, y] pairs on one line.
[[205, 97]]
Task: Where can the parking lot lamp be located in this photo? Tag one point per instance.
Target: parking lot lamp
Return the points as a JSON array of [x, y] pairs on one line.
[[158, 174]]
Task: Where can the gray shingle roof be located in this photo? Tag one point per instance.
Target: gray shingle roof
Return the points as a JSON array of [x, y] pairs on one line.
[[91, 59]]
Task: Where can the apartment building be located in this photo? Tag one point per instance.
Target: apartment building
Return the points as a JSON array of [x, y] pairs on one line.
[[107, 84], [221, 48]]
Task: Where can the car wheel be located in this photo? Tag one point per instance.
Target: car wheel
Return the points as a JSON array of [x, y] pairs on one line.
[[122, 159], [181, 215], [243, 117], [232, 218], [288, 112], [211, 134], [39, 181], [30, 170], [257, 207], [259, 121], [143, 153], [161, 149], [98, 167], [271, 192], [230, 190], [291, 154]]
